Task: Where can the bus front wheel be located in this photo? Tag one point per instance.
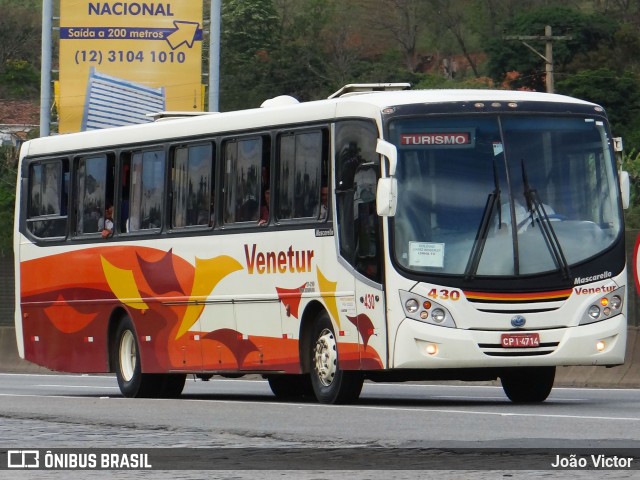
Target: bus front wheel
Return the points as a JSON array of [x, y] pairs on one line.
[[528, 385], [330, 383]]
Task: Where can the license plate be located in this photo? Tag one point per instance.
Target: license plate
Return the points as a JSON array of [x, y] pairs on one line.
[[520, 340]]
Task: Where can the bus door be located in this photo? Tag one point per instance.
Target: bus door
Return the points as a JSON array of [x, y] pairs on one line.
[[359, 231], [357, 166], [370, 305]]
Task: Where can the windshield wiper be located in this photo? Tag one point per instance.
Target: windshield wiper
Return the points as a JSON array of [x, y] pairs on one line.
[[539, 214], [483, 230]]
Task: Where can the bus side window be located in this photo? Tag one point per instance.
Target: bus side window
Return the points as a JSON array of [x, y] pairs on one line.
[[243, 179], [366, 220], [302, 161], [191, 178], [147, 190], [357, 165], [47, 200], [95, 183]]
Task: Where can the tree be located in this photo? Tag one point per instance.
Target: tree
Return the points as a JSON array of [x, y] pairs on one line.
[[618, 93], [19, 79], [631, 164], [453, 18], [248, 38], [302, 68], [8, 164], [588, 32], [404, 20], [20, 27]]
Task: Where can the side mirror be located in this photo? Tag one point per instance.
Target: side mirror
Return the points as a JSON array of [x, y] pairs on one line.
[[390, 151], [387, 197], [625, 188], [387, 191]]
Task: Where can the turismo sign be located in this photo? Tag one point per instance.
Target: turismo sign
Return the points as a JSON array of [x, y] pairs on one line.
[[440, 138], [122, 60]]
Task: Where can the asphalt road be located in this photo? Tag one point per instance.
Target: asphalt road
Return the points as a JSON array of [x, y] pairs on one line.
[[76, 412]]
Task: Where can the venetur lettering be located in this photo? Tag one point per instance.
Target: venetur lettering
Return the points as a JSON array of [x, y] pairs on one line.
[[292, 261]]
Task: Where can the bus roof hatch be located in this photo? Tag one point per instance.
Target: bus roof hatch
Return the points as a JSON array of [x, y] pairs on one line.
[[369, 87]]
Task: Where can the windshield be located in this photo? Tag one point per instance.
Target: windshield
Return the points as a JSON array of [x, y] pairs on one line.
[[503, 195]]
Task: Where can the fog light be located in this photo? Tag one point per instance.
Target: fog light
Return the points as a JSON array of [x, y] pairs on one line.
[[607, 311], [594, 311], [424, 315], [600, 346], [412, 305], [438, 315], [431, 349]]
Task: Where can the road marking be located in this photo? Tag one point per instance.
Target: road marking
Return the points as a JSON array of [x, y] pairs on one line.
[[428, 410], [50, 375], [360, 407], [438, 411], [77, 386], [366, 385]]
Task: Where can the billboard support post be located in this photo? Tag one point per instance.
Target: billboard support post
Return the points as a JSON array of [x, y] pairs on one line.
[[45, 68], [214, 56]]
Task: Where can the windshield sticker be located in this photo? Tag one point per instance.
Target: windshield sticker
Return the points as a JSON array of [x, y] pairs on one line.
[[497, 148], [438, 138], [426, 254]]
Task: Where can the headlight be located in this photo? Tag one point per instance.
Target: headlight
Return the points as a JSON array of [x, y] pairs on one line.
[[438, 315], [419, 308], [616, 302], [604, 307], [412, 305]]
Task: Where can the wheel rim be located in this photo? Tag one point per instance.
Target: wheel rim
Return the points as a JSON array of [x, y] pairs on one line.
[[127, 355], [325, 357]]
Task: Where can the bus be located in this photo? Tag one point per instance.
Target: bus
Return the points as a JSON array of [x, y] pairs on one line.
[[382, 234]]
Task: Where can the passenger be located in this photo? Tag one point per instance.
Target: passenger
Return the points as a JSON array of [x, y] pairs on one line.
[[264, 209], [324, 201], [212, 210], [105, 224]]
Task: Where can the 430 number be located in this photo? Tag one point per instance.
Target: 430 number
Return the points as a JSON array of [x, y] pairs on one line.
[[444, 294]]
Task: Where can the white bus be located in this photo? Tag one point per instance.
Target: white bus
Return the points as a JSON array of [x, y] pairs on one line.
[[382, 234]]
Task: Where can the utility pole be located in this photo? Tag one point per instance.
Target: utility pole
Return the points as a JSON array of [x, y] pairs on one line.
[[548, 56]]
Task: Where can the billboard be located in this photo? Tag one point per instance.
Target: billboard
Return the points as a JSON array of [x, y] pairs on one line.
[[139, 47]]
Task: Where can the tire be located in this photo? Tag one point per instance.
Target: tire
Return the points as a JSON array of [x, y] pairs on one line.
[[171, 385], [528, 385], [290, 387], [126, 352], [330, 383]]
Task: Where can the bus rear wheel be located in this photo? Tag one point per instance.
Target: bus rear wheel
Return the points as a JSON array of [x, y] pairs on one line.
[[290, 387], [528, 385], [330, 383], [132, 382]]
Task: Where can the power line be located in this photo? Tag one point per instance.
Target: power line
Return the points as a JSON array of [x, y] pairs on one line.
[[548, 56]]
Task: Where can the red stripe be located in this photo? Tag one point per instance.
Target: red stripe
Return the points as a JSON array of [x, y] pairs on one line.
[[509, 297]]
